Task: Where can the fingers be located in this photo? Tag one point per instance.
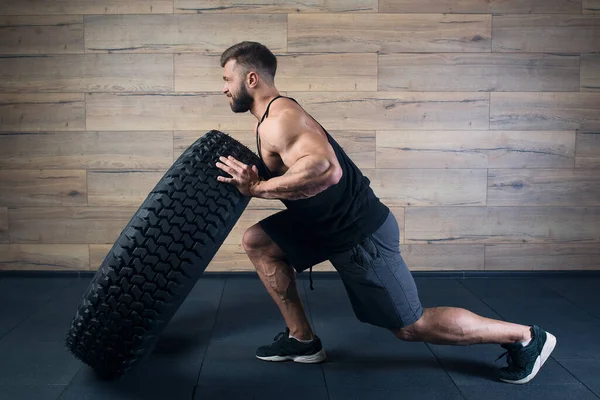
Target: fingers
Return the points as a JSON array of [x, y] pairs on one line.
[[224, 179], [232, 162]]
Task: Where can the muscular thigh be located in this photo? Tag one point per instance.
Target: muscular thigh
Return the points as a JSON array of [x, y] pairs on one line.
[[293, 240]]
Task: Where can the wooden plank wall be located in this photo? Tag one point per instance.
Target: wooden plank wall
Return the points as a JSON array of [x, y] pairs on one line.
[[477, 121]]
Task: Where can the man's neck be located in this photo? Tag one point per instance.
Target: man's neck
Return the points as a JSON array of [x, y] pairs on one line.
[[261, 102]]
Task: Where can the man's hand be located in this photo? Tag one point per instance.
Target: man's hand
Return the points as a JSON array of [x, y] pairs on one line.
[[243, 177]]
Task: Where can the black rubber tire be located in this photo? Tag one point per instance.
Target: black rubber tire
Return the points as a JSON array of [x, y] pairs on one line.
[[158, 258]]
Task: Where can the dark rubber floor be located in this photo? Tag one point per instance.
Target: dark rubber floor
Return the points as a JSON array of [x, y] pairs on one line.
[[207, 351]]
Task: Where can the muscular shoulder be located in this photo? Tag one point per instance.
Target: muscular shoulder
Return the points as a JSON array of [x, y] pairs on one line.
[[283, 125]]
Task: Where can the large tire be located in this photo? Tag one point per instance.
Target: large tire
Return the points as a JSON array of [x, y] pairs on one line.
[[158, 258]]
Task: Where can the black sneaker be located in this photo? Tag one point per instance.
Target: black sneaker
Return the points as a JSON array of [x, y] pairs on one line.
[[525, 362], [285, 348]]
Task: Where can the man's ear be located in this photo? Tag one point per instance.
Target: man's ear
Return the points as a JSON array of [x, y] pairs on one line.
[[252, 79]]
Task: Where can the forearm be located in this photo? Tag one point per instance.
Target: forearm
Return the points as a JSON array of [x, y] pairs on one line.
[[306, 178]]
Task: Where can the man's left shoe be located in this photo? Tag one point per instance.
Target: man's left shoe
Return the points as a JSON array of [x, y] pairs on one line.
[[524, 362]]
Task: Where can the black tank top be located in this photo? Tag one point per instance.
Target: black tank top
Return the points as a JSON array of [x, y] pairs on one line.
[[342, 215]]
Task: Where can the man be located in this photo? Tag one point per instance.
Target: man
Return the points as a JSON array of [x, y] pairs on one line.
[[332, 214]]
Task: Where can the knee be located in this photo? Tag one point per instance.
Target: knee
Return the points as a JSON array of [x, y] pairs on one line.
[[412, 333], [254, 239]]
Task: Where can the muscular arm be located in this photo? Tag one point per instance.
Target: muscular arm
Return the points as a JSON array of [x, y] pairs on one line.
[[311, 163]]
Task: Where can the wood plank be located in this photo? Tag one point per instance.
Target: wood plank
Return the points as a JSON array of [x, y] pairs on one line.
[[68, 225], [443, 257], [42, 7], [479, 72], [475, 149], [502, 225], [397, 110], [41, 35], [44, 257], [247, 219], [4, 225], [181, 33], [42, 112], [587, 150], [87, 73], [546, 33], [277, 6], [568, 256], [87, 150], [540, 111], [591, 6], [590, 72], [24, 188], [230, 258], [168, 111], [295, 71], [548, 187], [482, 6], [121, 188], [389, 33], [97, 254], [429, 187], [359, 145]]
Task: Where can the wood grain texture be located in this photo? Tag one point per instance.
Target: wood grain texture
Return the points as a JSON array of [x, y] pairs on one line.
[[359, 145], [23, 188], [546, 33], [478, 72], [120, 188], [443, 257], [87, 73], [502, 225], [277, 6], [181, 33], [230, 257], [475, 149], [295, 71], [389, 33], [548, 187], [397, 110], [588, 150], [43, 7], [523, 257], [541, 111], [590, 72], [4, 225], [591, 6], [42, 112], [429, 187], [87, 150], [97, 253], [482, 6], [44, 257], [68, 225], [166, 111], [247, 219], [41, 35]]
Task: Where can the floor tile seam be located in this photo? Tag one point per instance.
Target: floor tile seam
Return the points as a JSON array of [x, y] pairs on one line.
[[569, 301], [578, 380], [312, 321], [446, 371], [212, 331]]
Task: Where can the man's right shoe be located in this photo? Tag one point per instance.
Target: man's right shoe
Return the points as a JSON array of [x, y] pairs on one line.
[[285, 348]]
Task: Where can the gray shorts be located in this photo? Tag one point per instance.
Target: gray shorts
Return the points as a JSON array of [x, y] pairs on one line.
[[380, 286]]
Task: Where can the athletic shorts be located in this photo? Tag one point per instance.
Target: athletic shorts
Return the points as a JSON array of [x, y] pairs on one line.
[[380, 286]]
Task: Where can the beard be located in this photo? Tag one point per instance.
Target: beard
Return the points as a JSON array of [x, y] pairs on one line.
[[242, 102]]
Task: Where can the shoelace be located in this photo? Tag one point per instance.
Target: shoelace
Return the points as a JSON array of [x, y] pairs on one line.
[[281, 334]]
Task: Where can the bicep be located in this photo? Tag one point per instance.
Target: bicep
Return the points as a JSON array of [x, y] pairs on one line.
[[308, 145]]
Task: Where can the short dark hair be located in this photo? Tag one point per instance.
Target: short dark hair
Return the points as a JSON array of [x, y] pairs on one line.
[[252, 56]]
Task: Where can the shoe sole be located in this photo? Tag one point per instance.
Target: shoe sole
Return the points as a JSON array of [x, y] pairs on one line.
[[541, 359], [318, 357]]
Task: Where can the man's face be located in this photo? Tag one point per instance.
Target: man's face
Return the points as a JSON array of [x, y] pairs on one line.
[[240, 100]]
